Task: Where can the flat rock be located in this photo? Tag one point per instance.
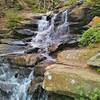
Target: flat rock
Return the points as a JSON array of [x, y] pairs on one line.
[[12, 42], [76, 57], [95, 60], [27, 32], [25, 60], [66, 80]]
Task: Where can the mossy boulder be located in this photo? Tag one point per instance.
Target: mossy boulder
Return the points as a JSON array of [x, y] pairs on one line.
[[66, 80]]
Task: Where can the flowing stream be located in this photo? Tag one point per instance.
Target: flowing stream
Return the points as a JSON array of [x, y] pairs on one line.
[[48, 34]]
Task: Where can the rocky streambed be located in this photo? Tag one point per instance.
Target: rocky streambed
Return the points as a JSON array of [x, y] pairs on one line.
[[45, 63]]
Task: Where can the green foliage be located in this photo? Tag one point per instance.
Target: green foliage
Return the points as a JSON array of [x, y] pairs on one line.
[[98, 69], [91, 36], [88, 95], [12, 18]]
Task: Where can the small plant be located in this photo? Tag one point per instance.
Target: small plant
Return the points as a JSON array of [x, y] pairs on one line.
[[89, 95], [91, 36], [12, 19]]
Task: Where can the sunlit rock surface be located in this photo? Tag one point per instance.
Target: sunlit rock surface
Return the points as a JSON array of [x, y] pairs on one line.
[[66, 79], [95, 60], [76, 57], [95, 21]]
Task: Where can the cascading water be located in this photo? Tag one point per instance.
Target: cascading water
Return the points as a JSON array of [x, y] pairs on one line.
[[51, 34], [20, 91], [62, 31], [16, 88], [43, 24]]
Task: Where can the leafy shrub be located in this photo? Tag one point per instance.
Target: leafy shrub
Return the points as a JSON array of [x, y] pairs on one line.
[[12, 18], [88, 95], [91, 36]]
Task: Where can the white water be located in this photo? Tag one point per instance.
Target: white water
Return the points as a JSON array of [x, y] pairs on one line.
[[51, 35], [43, 24], [18, 89]]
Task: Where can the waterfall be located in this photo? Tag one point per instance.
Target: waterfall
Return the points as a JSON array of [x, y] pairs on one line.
[[17, 89], [62, 31], [51, 34], [43, 24], [20, 91]]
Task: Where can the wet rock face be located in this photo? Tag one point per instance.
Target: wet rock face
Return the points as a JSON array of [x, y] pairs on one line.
[[3, 95], [6, 87], [53, 47], [11, 45], [42, 94], [65, 80], [35, 84], [54, 96], [39, 69]]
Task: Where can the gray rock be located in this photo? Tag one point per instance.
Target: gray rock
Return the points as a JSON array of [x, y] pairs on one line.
[[94, 61], [27, 32]]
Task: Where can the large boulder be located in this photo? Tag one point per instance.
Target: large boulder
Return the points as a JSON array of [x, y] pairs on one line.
[[66, 80], [76, 57], [78, 17]]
